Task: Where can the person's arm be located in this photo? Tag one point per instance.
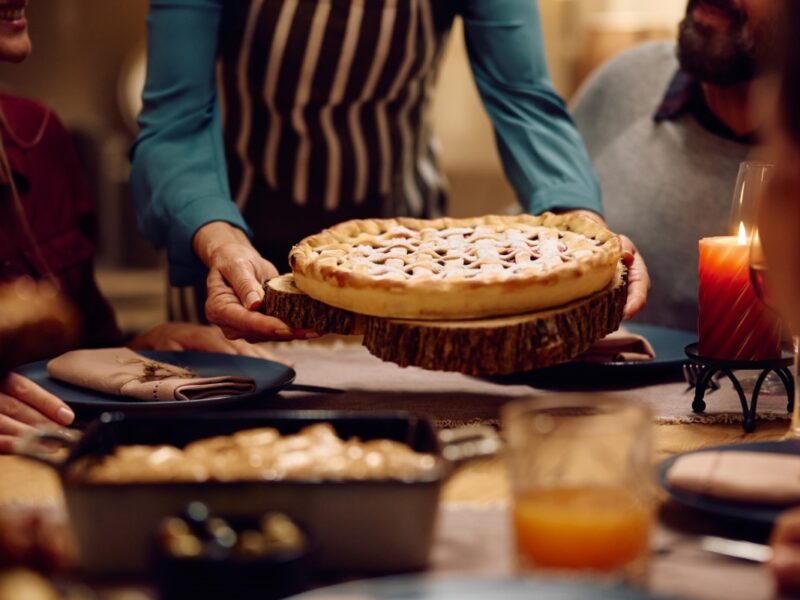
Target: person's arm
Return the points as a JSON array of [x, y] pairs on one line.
[[178, 177], [542, 152]]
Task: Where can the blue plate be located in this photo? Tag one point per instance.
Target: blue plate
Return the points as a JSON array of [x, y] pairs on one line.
[[270, 377], [466, 588], [755, 514], [669, 345]]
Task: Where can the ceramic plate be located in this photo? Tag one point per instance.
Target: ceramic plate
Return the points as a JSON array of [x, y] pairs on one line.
[[756, 514], [669, 345], [270, 377]]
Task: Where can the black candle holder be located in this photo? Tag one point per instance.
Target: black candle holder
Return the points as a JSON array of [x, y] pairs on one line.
[[711, 366]]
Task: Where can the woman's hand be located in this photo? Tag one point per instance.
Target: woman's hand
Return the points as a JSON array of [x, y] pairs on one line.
[[24, 405], [235, 285], [204, 338], [638, 277], [785, 542]]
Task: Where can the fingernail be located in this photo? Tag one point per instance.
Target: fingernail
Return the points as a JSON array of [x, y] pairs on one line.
[[252, 300], [65, 415], [284, 332], [310, 335]]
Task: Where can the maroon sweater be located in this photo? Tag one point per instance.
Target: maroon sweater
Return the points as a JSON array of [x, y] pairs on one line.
[[59, 210]]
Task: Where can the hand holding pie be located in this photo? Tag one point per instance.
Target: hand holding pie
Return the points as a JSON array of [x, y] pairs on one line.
[[483, 296]]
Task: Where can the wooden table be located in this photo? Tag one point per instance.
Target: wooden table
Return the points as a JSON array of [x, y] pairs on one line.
[[474, 507], [475, 499]]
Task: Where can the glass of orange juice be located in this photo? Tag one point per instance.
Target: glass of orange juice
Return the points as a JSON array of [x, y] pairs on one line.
[[581, 469]]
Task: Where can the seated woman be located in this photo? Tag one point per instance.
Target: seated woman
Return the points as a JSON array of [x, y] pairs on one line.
[[47, 233]]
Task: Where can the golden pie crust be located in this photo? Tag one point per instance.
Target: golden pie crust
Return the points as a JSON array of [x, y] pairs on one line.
[[456, 268]]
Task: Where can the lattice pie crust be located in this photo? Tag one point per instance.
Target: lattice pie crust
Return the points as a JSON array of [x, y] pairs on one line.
[[456, 268]]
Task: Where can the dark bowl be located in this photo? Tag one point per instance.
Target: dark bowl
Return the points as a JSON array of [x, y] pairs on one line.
[[216, 575]]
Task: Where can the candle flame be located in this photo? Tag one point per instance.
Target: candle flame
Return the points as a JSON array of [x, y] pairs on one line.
[[742, 234]]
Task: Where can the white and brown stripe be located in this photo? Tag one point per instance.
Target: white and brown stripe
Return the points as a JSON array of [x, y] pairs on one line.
[[338, 115]]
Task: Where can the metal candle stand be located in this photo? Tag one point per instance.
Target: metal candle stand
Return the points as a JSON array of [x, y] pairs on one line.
[[711, 366]]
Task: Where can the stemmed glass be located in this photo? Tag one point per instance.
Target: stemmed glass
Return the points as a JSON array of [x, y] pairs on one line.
[[759, 278], [751, 183]]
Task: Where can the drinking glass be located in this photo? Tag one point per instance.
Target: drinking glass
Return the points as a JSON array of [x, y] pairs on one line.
[[751, 183], [760, 280], [581, 475]]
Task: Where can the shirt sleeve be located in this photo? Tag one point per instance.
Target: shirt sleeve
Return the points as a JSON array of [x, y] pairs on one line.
[[542, 153], [178, 178]]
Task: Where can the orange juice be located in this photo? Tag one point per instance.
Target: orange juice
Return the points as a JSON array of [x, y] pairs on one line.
[[595, 528]]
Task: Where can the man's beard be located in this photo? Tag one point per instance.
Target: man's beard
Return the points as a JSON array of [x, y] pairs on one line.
[[719, 57]]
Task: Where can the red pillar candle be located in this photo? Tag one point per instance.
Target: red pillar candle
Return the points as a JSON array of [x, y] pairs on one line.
[[733, 323]]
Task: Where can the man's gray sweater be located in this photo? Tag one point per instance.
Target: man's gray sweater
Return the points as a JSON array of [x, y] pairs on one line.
[[666, 184]]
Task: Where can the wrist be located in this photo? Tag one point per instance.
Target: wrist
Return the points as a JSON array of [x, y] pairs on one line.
[[211, 236]]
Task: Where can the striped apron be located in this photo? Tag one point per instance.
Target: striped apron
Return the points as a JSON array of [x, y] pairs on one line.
[[325, 108]]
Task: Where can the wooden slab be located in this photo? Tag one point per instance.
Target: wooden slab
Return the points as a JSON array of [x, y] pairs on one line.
[[285, 301], [494, 346]]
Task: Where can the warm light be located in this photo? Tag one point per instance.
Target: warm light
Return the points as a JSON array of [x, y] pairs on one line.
[[742, 234]]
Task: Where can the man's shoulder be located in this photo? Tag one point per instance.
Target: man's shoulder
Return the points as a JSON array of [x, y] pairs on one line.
[[640, 60], [641, 71], [626, 89]]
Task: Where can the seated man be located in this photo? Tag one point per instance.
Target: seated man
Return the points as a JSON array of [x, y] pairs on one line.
[[47, 233], [666, 128]]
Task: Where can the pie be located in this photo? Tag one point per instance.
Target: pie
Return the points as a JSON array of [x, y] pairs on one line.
[[456, 268]]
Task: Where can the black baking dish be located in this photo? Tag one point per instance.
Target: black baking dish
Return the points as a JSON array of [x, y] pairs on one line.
[[363, 526]]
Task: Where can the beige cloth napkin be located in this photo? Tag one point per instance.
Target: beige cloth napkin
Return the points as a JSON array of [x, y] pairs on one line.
[[620, 346], [123, 372], [742, 476]]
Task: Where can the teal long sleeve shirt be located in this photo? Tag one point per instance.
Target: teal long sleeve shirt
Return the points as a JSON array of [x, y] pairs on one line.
[[179, 179]]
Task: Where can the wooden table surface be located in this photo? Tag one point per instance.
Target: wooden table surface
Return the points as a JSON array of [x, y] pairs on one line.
[[474, 507], [482, 483]]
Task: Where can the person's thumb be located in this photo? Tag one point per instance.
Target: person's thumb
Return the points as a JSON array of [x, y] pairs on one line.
[[241, 276], [265, 270]]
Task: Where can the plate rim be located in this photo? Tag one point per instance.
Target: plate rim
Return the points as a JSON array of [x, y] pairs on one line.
[[406, 583]]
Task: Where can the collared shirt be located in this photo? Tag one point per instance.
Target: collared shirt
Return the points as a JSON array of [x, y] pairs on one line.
[[685, 96]]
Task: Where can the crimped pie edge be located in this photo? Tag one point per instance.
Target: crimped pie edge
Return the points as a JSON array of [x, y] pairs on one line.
[[349, 290]]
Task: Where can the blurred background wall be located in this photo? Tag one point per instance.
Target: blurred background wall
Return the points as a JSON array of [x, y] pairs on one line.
[[87, 65]]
